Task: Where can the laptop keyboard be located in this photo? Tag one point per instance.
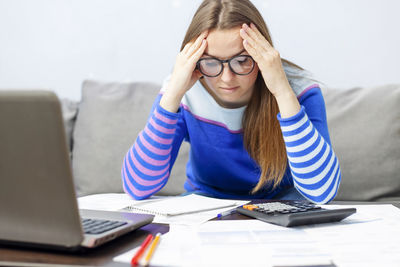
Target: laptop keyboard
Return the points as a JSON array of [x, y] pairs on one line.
[[96, 226]]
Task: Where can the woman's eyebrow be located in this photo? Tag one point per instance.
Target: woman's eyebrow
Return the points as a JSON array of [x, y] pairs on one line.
[[228, 57]]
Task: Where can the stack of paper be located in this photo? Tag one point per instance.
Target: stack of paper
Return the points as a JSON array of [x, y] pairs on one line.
[[182, 205], [186, 210], [367, 238]]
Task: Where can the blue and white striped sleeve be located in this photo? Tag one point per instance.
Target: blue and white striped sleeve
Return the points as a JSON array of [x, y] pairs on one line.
[[313, 164]]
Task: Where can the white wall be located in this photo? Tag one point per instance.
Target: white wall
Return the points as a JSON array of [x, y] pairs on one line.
[[56, 44]]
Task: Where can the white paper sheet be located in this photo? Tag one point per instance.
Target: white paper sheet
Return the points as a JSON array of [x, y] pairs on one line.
[[367, 238], [234, 243], [193, 218], [181, 205], [110, 201], [118, 202]]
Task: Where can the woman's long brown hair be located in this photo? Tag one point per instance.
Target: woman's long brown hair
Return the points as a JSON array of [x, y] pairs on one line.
[[262, 136]]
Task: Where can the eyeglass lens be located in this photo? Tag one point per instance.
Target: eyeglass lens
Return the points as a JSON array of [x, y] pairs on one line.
[[241, 65]]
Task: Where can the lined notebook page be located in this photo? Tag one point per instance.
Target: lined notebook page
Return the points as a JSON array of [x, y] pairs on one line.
[[182, 205]]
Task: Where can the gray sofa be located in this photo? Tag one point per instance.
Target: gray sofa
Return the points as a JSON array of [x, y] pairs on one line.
[[364, 125]]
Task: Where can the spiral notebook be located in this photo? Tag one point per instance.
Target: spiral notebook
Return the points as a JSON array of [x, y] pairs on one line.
[[181, 205]]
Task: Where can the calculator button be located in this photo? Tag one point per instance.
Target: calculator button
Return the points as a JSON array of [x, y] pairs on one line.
[[250, 207]]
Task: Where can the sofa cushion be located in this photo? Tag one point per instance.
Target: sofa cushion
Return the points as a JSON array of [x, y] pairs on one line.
[[69, 111], [110, 117], [364, 125]]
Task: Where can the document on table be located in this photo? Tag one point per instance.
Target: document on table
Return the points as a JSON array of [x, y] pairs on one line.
[[189, 203], [181, 205], [111, 201], [235, 243], [367, 238]]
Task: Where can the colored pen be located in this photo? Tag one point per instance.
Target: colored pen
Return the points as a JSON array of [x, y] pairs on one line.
[[151, 250], [142, 248], [227, 212]]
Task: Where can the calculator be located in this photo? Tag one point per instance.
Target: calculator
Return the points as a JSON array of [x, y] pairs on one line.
[[292, 212]]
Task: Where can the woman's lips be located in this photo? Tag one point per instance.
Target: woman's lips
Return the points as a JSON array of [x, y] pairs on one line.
[[229, 88]]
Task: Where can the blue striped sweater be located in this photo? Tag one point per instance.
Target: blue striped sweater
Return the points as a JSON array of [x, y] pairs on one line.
[[218, 163]]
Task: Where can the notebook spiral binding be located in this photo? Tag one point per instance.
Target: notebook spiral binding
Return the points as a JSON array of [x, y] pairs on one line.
[[132, 208]]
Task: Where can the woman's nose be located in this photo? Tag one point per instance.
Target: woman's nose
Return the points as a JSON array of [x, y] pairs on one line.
[[226, 74]]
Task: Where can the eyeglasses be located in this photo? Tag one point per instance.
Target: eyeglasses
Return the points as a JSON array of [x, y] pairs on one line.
[[212, 67]]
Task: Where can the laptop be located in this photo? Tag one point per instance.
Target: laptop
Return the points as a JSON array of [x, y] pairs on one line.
[[38, 205]]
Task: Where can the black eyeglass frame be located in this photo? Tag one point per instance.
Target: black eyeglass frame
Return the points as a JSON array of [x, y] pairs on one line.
[[222, 65]]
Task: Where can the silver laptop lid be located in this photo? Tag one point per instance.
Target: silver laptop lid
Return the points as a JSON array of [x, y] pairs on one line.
[[35, 177]]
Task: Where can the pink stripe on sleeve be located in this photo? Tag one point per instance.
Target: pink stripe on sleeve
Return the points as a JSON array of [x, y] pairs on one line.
[[143, 169], [148, 159], [156, 138], [163, 118], [161, 128], [158, 151], [140, 180], [308, 89], [139, 193]]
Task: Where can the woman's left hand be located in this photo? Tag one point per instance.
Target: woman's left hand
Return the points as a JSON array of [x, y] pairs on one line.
[[267, 58]]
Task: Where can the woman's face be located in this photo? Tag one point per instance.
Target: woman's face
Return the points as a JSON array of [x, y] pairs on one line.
[[228, 89]]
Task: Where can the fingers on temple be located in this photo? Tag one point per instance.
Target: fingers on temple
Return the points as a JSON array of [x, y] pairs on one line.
[[259, 36], [187, 47], [249, 38], [197, 44], [250, 32], [249, 48], [199, 52], [254, 37], [248, 42]]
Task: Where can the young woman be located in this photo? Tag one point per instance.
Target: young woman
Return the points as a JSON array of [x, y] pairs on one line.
[[255, 122]]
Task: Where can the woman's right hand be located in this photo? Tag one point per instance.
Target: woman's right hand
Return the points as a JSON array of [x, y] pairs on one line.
[[184, 74]]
